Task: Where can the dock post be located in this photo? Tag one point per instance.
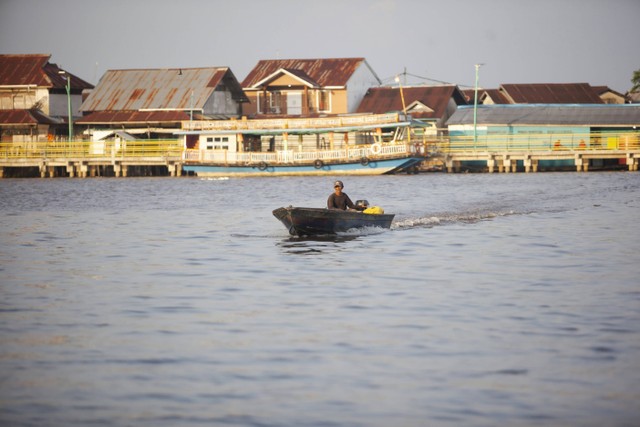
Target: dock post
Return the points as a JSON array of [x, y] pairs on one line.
[[632, 162], [119, 169], [579, 161], [506, 163], [1, 172], [527, 164], [534, 165], [43, 170], [173, 169], [83, 169], [491, 163], [452, 165], [71, 169]]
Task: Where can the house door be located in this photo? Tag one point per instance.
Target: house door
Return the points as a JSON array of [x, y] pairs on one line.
[[294, 103]]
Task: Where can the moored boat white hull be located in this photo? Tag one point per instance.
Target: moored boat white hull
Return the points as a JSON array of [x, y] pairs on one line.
[[372, 167]]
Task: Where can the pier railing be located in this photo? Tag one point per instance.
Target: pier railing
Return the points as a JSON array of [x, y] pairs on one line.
[[95, 150], [536, 142], [506, 151]]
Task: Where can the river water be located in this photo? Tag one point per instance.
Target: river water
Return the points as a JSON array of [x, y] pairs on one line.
[[495, 299]]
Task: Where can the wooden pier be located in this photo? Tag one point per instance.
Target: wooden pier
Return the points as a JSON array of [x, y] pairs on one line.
[[530, 161], [88, 159], [510, 153], [490, 153]]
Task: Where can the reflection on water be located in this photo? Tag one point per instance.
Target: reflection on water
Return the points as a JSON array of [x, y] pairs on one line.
[[309, 245]]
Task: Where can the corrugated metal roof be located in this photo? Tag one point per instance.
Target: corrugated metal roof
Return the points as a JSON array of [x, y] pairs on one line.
[[26, 117], [551, 93], [176, 89], [496, 96], [381, 100], [36, 70], [130, 117], [326, 72], [301, 74], [24, 70], [545, 114]]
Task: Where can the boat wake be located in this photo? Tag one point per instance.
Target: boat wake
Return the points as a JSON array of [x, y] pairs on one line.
[[363, 231], [446, 218], [221, 178]]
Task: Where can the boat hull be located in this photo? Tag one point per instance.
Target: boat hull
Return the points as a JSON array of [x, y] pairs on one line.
[[316, 221], [372, 167]]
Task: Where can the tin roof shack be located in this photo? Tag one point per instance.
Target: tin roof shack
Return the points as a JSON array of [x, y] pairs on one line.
[[609, 129], [152, 103], [307, 87], [540, 93], [430, 105], [33, 98], [609, 96]]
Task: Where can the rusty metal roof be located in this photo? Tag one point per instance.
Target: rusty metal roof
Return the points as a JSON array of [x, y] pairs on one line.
[[592, 115], [496, 96], [551, 93], [26, 117], [325, 72], [35, 69], [173, 89], [132, 117], [385, 99]]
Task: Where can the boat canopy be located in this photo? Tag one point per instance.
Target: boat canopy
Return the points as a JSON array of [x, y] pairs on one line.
[[299, 125], [301, 131]]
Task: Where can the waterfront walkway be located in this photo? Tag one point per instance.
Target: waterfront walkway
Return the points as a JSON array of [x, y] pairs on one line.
[[88, 158], [486, 153], [528, 152]]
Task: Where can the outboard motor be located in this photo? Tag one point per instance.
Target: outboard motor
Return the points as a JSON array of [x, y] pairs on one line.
[[362, 203]]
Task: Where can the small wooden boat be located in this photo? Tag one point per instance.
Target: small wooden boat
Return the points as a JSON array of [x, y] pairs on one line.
[[317, 221]]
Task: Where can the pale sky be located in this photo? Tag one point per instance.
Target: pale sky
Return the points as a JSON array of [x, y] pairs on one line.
[[518, 41]]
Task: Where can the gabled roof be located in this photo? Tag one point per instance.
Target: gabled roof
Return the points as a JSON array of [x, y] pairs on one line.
[[35, 69], [174, 89], [495, 94], [601, 90], [381, 100], [550, 114], [26, 117], [550, 93], [300, 75], [332, 72]]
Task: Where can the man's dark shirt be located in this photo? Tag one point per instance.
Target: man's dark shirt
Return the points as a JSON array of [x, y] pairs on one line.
[[340, 202]]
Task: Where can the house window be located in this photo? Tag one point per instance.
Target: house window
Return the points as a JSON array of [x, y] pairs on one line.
[[324, 100], [218, 143], [275, 98]]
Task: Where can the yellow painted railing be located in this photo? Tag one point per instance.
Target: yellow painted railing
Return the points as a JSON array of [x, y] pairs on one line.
[[621, 141], [91, 149], [174, 148]]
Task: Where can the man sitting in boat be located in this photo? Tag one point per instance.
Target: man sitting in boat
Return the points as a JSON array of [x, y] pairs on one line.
[[340, 200]]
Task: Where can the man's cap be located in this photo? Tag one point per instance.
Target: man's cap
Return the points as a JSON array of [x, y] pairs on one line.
[[338, 184]]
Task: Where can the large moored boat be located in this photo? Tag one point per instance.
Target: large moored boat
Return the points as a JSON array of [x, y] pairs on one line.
[[370, 144]]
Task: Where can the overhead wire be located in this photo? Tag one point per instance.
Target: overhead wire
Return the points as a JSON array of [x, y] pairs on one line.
[[405, 73]]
